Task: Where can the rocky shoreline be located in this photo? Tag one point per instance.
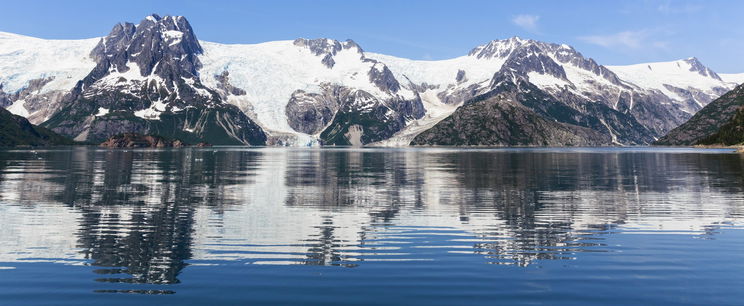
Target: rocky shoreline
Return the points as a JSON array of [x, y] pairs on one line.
[[132, 140]]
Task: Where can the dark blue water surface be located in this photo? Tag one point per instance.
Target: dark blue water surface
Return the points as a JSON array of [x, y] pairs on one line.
[[371, 226]]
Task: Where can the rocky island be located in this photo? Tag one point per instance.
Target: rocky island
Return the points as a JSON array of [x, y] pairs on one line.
[[133, 140]]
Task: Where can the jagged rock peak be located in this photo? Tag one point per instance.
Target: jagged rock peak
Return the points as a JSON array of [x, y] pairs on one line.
[[327, 48], [498, 48], [526, 55], [505, 47], [383, 78], [697, 66], [153, 40], [324, 46]]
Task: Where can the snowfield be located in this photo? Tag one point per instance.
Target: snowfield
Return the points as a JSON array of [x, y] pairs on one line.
[[270, 72], [24, 58], [737, 78], [678, 73]]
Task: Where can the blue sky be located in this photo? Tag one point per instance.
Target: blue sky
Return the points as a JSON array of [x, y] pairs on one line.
[[612, 32]]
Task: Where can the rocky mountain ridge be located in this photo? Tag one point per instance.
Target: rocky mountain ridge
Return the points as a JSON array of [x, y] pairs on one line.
[[18, 131], [157, 78], [146, 81], [721, 122]]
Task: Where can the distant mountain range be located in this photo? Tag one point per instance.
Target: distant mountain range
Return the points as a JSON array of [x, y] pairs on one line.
[[156, 77]]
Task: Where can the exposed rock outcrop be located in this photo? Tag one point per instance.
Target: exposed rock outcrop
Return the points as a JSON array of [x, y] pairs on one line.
[[131, 140], [146, 81]]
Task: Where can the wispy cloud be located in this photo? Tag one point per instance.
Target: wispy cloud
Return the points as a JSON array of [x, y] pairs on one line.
[[625, 39], [527, 22]]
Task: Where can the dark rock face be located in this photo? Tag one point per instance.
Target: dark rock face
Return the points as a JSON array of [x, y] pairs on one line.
[[459, 95], [460, 77], [382, 77], [719, 122], [155, 40], [363, 115], [697, 66], [223, 84], [5, 98], [131, 140], [531, 58], [146, 81], [499, 120], [310, 112], [18, 131], [516, 112], [328, 48]]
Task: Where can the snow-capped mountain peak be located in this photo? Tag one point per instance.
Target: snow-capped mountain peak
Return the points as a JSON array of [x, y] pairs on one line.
[[498, 48], [697, 66], [327, 48], [146, 80], [687, 82]]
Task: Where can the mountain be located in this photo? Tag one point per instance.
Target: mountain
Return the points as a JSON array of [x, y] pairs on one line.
[[157, 78], [514, 112], [35, 73], [500, 120], [689, 83], [16, 131], [720, 122], [146, 81], [623, 111], [304, 90]]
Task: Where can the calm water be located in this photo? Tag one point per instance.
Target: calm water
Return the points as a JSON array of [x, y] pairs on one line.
[[426, 226]]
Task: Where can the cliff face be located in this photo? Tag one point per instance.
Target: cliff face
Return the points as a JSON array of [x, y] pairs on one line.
[[146, 81]]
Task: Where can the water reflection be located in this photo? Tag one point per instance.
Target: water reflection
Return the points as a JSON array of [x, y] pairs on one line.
[[142, 216]]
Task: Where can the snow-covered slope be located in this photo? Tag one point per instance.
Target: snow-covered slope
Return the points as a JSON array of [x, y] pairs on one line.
[[59, 63], [271, 72], [679, 80], [737, 78], [26, 58]]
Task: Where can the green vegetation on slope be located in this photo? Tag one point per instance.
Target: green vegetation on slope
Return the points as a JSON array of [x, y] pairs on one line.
[[17, 131], [717, 123]]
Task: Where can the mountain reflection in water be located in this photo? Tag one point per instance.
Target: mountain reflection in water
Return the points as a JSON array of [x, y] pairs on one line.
[[142, 216]]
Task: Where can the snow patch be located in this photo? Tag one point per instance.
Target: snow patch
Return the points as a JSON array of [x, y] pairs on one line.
[[173, 37], [545, 80], [153, 112], [17, 108], [102, 112]]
